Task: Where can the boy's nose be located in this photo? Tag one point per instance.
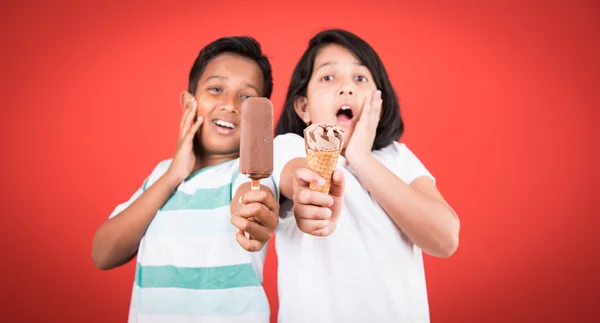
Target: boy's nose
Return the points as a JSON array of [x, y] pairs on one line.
[[229, 107]]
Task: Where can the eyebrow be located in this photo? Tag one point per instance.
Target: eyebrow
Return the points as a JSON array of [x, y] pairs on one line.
[[334, 63], [225, 78]]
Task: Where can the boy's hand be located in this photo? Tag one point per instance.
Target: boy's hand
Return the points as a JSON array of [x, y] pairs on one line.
[[258, 216], [184, 158], [317, 213], [362, 139]]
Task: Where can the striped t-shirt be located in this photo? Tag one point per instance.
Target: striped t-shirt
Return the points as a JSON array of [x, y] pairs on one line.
[[190, 267]]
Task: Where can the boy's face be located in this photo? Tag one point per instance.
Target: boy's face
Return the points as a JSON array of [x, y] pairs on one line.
[[337, 90], [227, 80]]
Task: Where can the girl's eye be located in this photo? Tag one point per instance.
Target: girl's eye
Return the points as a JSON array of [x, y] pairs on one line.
[[361, 78], [327, 78], [244, 97]]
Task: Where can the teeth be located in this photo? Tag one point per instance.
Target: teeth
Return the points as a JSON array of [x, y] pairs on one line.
[[224, 124], [345, 108]]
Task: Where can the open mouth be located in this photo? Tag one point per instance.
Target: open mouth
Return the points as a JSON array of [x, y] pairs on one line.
[[345, 114], [224, 127]]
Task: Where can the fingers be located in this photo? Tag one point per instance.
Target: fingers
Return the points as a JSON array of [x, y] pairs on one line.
[[372, 108], [314, 227], [317, 213], [337, 183], [186, 112], [305, 176], [311, 212], [194, 129], [314, 220], [248, 244], [264, 216], [258, 217], [257, 232], [367, 105], [323, 232], [308, 196], [262, 197], [187, 119], [337, 192], [376, 103]]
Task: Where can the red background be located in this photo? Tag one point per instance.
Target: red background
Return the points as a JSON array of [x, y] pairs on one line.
[[500, 102]]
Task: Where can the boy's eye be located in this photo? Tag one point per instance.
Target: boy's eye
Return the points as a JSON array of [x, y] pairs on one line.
[[215, 89], [327, 78], [361, 78]]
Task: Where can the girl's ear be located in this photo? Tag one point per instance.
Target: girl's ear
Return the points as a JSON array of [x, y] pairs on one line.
[[301, 108], [185, 99]]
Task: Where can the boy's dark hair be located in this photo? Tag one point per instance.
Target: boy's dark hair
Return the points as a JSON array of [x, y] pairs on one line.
[[391, 125], [242, 45]]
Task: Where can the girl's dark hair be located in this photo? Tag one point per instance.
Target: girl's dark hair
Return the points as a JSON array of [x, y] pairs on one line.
[[390, 127], [242, 45]]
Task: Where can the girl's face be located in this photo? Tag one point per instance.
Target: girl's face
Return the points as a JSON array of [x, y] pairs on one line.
[[336, 91]]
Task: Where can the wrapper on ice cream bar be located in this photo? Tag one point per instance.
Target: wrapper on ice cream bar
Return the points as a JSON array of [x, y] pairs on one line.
[[323, 145]]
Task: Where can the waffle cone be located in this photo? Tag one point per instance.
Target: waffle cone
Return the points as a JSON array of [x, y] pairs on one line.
[[322, 162]]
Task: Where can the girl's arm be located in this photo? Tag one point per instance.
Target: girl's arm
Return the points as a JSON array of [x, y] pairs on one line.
[[287, 180], [315, 213], [418, 209]]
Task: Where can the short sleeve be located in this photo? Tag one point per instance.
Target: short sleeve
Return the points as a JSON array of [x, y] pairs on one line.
[[121, 207], [156, 173], [409, 167], [285, 148]]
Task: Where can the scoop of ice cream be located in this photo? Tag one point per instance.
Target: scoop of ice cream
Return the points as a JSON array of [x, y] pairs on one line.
[[323, 137]]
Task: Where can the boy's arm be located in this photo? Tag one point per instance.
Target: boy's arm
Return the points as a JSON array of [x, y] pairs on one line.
[[117, 240]]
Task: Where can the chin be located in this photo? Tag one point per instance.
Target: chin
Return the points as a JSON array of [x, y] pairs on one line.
[[223, 151], [220, 147]]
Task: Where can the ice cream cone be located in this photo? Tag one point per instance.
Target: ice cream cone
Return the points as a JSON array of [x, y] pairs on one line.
[[323, 147]]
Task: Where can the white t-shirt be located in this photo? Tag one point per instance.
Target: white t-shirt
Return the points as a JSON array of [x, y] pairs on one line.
[[366, 271], [190, 267]]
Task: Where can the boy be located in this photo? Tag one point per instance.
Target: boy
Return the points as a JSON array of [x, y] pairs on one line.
[[190, 266]]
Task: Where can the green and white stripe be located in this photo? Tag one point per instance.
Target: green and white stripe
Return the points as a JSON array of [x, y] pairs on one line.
[[190, 267]]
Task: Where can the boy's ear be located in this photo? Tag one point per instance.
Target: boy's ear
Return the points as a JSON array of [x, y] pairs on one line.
[[301, 108], [185, 98]]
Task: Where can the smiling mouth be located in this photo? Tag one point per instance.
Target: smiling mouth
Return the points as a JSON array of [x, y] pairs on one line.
[[224, 124], [345, 114]]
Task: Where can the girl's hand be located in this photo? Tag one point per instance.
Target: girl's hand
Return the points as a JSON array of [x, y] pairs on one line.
[[362, 139], [317, 213], [184, 158]]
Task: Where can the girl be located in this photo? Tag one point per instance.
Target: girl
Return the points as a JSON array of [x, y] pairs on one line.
[[354, 255]]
